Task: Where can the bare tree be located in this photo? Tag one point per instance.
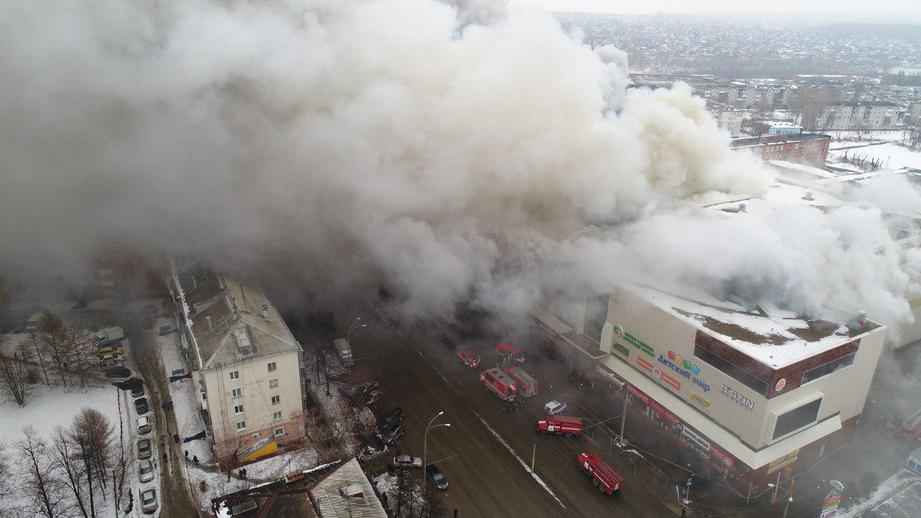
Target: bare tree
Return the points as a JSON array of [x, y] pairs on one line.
[[82, 347], [15, 378], [68, 465], [6, 489], [93, 436], [54, 340], [35, 344], [39, 478]]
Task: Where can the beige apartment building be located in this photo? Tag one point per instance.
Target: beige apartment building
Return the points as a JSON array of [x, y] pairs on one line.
[[247, 366]]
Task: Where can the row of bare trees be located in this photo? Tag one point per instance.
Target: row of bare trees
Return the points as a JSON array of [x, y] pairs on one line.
[[76, 473], [55, 353]]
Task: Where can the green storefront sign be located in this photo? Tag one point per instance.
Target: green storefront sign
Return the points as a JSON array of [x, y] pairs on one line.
[[634, 341]]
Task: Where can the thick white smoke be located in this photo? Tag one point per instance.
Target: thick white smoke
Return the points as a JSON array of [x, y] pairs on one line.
[[337, 143]]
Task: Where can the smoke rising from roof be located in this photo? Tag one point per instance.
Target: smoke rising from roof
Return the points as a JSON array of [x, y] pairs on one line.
[[337, 143]]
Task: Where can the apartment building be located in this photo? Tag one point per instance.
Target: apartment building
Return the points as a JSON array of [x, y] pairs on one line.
[[246, 363], [748, 390], [858, 116]]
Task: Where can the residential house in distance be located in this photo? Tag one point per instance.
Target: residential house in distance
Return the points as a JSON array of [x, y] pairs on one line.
[[246, 363], [859, 116]]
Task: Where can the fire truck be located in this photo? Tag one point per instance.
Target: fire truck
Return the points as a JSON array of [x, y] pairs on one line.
[[513, 353], [525, 383], [499, 382], [468, 357], [561, 425], [911, 428], [603, 475]]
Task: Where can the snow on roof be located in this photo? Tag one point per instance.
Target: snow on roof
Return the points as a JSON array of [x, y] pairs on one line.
[[767, 334], [357, 501]]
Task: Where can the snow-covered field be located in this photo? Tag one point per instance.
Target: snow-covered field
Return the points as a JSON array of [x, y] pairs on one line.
[[896, 497], [893, 156]]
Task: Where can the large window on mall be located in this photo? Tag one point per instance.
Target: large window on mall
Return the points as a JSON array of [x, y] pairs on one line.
[[731, 370], [797, 418], [828, 368]]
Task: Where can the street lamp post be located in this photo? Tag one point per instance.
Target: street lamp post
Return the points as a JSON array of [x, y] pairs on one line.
[[425, 458], [789, 501], [348, 340], [623, 420]]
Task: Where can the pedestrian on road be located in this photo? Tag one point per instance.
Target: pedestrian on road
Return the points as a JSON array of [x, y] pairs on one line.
[[684, 512], [187, 455], [195, 459], [176, 438]]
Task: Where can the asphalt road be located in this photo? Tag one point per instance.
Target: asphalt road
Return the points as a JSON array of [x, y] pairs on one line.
[[417, 371]]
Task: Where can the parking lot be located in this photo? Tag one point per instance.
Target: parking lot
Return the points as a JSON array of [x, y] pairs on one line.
[[486, 452]]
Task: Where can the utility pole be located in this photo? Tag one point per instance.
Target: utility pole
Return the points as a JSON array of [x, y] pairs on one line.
[[623, 420], [348, 340], [533, 455], [425, 438]]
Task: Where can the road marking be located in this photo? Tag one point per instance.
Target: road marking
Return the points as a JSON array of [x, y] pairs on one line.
[[521, 461], [438, 372]]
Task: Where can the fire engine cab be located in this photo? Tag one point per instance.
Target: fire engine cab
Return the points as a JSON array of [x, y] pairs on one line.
[[561, 425], [603, 475], [499, 382], [469, 358]]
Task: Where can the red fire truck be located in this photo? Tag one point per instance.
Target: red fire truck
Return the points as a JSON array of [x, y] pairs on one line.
[[525, 383], [561, 425], [603, 475], [514, 354], [499, 382], [467, 357]]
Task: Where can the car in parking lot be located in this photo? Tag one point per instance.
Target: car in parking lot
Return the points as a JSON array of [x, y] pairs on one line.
[[441, 481], [391, 433], [371, 450], [143, 425], [145, 470], [141, 406], [406, 461], [149, 501], [144, 449], [394, 416], [137, 389]]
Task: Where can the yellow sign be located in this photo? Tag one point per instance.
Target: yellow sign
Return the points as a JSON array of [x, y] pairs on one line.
[[261, 448], [695, 397], [786, 460]]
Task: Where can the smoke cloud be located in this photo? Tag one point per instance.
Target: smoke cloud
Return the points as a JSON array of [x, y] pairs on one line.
[[449, 151]]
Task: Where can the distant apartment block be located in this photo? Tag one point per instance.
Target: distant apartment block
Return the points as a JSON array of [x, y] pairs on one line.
[[803, 148], [858, 116], [731, 121], [246, 363]]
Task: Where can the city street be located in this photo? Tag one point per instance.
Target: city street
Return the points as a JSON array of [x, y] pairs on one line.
[[485, 452]]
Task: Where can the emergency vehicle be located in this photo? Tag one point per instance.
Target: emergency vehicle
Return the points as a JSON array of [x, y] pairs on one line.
[[526, 385], [513, 353], [911, 428], [561, 425], [467, 357], [499, 382], [603, 475]]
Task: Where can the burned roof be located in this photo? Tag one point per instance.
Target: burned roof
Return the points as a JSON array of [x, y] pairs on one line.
[[231, 321]]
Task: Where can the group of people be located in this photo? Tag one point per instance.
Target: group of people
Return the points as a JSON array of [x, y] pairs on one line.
[[166, 451]]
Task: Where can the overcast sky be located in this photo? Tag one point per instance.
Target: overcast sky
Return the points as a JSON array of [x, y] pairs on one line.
[[733, 6]]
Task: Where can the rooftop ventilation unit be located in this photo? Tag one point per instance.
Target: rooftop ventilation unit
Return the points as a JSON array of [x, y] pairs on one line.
[[352, 491], [244, 344]]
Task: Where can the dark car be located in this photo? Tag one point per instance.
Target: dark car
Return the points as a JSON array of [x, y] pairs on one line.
[[391, 433], [372, 450], [394, 416], [137, 390], [141, 406], [441, 482]]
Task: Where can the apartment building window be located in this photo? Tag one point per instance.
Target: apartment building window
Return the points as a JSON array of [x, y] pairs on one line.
[[238, 409], [273, 383], [827, 368], [279, 432], [234, 375], [797, 418], [272, 367], [276, 400], [276, 416], [236, 393], [241, 426]]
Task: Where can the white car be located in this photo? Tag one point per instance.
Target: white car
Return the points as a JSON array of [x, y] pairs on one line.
[[149, 501], [554, 407], [406, 461], [143, 425], [145, 471]]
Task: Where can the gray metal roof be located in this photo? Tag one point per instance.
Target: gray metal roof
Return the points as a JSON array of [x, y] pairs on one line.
[[331, 495]]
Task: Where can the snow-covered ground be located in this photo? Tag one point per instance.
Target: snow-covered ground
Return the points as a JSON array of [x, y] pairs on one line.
[[339, 413], [892, 155], [896, 497]]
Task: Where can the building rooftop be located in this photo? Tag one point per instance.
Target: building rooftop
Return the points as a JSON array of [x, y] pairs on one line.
[[347, 493], [774, 139], [231, 321]]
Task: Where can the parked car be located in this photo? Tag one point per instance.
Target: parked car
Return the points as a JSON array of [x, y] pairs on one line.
[[145, 470], [137, 390], [391, 433], [441, 482], [141, 406], [117, 373], [554, 407], [371, 450], [373, 397], [394, 416], [406, 461], [144, 451], [165, 330], [149, 501], [143, 424]]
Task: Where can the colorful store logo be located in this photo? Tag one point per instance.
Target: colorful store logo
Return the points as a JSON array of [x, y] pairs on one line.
[[695, 397], [657, 373], [686, 369], [781, 383], [634, 341]]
